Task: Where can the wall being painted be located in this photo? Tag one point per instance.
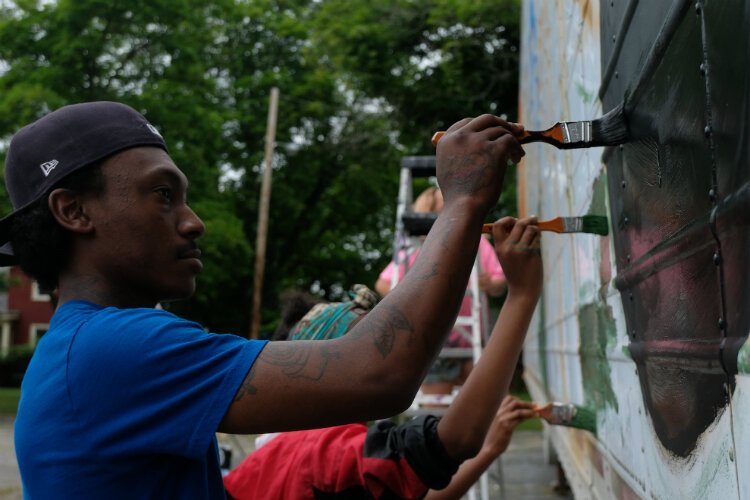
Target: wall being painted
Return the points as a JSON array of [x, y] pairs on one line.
[[644, 326]]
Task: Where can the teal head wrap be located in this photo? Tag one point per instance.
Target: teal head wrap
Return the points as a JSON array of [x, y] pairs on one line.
[[330, 321]]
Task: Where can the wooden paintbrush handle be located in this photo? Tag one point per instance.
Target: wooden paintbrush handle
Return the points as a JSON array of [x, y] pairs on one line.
[[551, 136], [544, 225], [523, 137]]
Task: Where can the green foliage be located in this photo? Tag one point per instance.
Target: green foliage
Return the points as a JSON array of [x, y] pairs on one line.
[[435, 61], [13, 365], [361, 84]]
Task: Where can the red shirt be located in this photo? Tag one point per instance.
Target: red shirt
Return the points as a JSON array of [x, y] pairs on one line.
[[348, 461]]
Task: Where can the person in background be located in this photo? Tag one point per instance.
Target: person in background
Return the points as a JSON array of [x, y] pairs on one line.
[[294, 305], [122, 400], [445, 373], [408, 460]]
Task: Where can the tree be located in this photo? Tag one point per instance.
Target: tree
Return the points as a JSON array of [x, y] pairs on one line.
[[357, 93]]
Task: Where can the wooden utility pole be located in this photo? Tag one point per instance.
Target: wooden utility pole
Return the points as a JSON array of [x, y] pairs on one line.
[[265, 199]]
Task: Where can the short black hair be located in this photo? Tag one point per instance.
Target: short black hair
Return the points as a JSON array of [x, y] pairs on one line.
[[40, 244], [294, 305]]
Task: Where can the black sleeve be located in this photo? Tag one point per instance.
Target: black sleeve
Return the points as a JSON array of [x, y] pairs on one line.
[[417, 441]]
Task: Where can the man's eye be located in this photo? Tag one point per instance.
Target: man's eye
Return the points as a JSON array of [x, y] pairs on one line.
[[165, 192]]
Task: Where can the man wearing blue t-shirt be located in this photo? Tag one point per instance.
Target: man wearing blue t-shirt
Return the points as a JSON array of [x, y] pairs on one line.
[[122, 400]]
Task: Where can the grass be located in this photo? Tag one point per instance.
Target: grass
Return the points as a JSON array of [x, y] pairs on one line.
[[9, 397]]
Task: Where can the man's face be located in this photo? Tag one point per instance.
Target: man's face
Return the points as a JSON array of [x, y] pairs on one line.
[[143, 243]]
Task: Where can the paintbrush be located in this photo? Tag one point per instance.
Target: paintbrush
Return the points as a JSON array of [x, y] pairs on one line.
[[569, 415], [609, 130], [593, 224]]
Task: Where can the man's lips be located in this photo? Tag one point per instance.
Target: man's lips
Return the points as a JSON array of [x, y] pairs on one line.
[[193, 253]]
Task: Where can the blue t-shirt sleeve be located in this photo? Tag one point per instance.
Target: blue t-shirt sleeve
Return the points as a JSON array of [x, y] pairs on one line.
[[151, 382]]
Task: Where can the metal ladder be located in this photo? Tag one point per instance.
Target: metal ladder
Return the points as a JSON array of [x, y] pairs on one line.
[[410, 227]]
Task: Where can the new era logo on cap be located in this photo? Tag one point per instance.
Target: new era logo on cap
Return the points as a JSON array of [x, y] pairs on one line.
[[153, 129], [48, 166]]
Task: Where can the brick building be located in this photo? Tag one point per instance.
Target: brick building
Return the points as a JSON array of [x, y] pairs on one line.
[[24, 312]]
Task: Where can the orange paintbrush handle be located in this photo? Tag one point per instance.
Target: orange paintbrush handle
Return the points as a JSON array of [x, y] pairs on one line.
[[555, 225], [544, 411], [439, 135]]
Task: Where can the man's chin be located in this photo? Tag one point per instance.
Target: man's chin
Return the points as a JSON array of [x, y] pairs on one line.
[[179, 294]]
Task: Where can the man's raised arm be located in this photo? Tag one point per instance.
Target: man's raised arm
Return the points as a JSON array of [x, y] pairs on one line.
[[376, 369]]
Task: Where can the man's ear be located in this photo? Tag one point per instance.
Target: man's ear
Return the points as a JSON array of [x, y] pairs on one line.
[[67, 209]]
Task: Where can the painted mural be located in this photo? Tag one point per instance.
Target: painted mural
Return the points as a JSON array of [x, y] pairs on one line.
[[646, 327]]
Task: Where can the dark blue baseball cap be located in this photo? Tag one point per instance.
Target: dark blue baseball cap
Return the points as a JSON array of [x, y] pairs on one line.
[[47, 151]]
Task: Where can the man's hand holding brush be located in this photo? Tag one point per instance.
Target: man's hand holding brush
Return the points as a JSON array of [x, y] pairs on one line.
[[472, 157]]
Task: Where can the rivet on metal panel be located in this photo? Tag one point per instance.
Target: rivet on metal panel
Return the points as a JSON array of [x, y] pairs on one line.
[[630, 296], [712, 194], [614, 38], [626, 221], [731, 454], [707, 130], [617, 75], [698, 8], [717, 258], [623, 184], [627, 257], [622, 146], [721, 323], [702, 68]]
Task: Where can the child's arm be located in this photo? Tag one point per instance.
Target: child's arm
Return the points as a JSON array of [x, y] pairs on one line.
[[463, 428], [512, 412]]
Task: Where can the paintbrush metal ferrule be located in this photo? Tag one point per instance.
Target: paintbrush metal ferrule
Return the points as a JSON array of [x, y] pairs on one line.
[[576, 132], [568, 415], [572, 225], [562, 414]]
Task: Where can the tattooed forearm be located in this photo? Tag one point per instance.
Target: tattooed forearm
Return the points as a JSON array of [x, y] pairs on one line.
[[300, 359], [430, 273], [383, 326]]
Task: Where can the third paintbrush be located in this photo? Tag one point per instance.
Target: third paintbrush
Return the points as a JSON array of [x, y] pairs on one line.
[[594, 224]]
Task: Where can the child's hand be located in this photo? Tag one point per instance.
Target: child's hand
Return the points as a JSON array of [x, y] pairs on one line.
[[512, 412], [517, 243]]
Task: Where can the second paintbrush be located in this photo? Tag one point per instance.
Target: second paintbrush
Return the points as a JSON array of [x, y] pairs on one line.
[[593, 224]]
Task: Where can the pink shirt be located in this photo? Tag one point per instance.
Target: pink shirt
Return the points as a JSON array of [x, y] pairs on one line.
[[489, 264]]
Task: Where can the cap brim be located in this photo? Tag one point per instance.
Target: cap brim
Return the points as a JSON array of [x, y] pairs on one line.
[[7, 258]]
